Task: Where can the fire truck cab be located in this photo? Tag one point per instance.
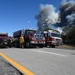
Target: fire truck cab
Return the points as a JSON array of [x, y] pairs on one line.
[[16, 37], [4, 39], [52, 38], [31, 38]]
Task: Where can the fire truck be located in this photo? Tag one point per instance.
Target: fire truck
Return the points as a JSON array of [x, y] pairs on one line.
[[4, 39], [52, 38], [31, 38]]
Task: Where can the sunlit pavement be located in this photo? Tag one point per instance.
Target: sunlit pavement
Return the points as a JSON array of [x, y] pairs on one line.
[[43, 61]]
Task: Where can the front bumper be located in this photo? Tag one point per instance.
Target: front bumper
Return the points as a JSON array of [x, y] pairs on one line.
[[54, 43], [3, 44], [37, 42]]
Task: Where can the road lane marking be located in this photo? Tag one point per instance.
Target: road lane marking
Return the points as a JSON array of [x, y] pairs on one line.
[[50, 53], [16, 65]]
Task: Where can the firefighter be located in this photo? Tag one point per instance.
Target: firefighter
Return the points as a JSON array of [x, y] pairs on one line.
[[21, 41]]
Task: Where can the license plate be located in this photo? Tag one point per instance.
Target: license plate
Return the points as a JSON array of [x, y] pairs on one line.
[[58, 40], [5, 42]]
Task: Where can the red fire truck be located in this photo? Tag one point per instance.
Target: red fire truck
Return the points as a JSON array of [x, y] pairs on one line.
[[31, 38], [52, 38], [4, 39]]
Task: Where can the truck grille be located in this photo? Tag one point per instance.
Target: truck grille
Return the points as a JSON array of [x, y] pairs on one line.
[[59, 41], [38, 36]]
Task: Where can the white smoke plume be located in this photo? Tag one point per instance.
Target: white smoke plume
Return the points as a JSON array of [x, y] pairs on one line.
[[46, 16], [71, 18]]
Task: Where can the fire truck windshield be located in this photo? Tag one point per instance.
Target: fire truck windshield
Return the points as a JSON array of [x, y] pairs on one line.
[[55, 35], [3, 35], [30, 31], [3, 39]]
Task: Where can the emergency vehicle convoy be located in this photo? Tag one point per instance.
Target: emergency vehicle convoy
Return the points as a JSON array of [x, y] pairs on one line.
[[52, 38], [4, 39], [31, 38]]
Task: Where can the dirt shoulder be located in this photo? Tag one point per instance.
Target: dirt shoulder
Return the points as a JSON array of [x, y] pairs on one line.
[[66, 46]]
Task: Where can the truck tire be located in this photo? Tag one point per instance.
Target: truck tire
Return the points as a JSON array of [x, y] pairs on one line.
[[45, 45], [27, 44], [41, 46], [53, 46]]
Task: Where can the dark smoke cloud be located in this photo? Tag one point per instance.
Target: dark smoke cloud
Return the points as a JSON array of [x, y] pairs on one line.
[[67, 13], [46, 16]]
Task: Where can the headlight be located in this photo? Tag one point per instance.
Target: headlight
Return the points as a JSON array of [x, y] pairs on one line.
[[33, 38], [43, 38]]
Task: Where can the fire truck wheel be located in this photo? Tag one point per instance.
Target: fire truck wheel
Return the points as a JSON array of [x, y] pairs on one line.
[[27, 44], [45, 45], [53, 46], [41, 46]]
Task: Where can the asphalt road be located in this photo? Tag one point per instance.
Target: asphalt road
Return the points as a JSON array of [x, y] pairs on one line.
[[7, 69], [44, 61]]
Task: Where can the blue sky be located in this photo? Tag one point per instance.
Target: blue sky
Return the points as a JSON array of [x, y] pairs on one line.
[[20, 14]]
